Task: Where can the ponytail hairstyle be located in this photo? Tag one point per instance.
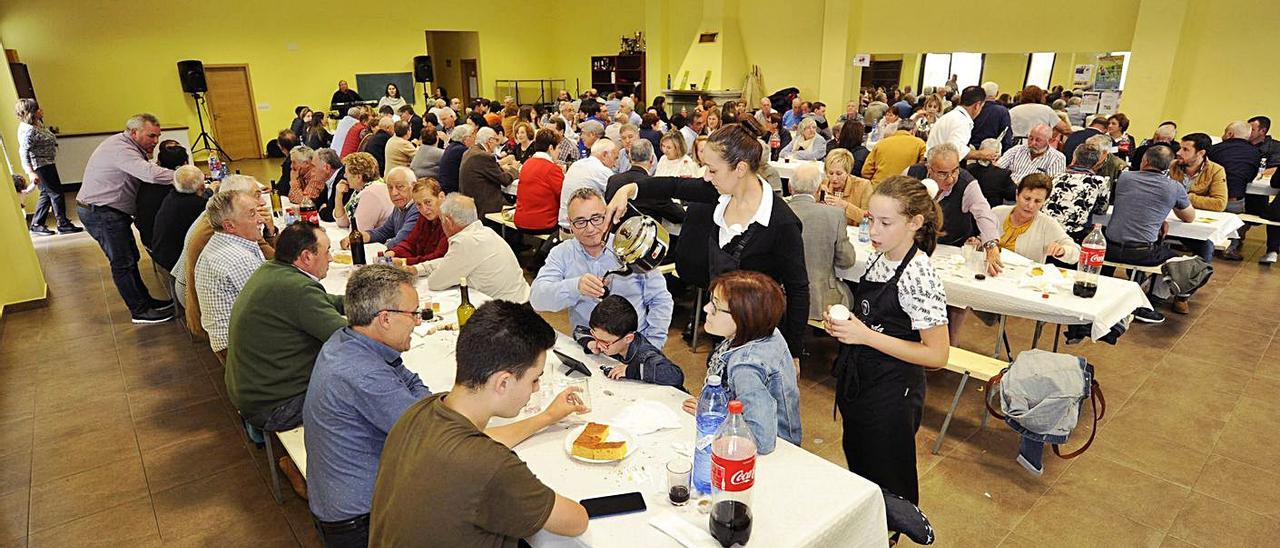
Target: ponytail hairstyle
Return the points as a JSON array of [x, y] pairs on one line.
[[736, 144], [913, 199]]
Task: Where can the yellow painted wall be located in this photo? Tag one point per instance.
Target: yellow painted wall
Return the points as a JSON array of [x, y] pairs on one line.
[[1008, 70], [23, 277], [996, 26], [786, 44], [447, 49]]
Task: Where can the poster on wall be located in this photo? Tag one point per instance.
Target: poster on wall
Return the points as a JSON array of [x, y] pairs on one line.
[[1082, 76], [1089, 102], [1110, 68], [862, 60], [1109, 103]]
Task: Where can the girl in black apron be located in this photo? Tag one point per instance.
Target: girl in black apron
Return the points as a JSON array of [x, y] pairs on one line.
[[899, 329]]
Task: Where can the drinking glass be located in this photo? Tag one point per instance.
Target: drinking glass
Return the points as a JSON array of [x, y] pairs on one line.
[[585, 393], [678, 470]]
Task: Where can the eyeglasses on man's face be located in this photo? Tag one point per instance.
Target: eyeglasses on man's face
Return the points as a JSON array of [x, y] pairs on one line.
[[419, 315], [594, 220]]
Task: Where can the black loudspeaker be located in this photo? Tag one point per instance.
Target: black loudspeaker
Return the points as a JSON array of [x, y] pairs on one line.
[[191, 73], [422, 69]]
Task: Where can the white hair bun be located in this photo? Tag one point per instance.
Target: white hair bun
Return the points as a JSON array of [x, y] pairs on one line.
[[931, 186]]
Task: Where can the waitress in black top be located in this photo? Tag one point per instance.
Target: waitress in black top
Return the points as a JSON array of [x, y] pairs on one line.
[[735, 222], [899, 329]]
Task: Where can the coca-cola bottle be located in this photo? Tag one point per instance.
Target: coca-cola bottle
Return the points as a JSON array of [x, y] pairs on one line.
[[309, 213], [733, 473], [1092, 252]]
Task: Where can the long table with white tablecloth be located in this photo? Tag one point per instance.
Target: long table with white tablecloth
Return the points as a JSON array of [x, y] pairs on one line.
[[1215, 226], [1014, 293], [800, 499]]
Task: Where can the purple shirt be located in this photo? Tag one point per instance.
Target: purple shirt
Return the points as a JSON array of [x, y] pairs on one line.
[[974, 203], [114, 172]]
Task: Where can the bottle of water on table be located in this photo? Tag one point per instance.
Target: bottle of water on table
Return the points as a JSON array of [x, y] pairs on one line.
[[713, 407]]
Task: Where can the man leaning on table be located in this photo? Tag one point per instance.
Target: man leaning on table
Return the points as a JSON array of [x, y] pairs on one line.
[[447, 478], [358, 389], [475, 252], [403, 217], [1143, 201]]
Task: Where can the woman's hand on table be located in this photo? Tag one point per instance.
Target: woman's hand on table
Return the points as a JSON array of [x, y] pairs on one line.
[[617, 207], [1054, 249], [994, 265], [566, 403], [690, 406]]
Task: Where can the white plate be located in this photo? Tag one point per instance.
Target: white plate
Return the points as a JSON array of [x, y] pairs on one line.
[[615, 434]]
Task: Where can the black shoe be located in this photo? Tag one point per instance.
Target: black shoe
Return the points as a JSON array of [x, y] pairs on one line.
[[1231, 254], [41, 230], [161, 306], [69, 229], [152, 316], [1148, 315]]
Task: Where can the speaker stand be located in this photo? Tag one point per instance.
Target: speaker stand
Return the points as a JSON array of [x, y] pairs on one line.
[[204, 141]]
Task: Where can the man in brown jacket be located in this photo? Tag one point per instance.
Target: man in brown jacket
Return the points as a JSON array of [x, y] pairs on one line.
[[481, 176], [1205, 180]]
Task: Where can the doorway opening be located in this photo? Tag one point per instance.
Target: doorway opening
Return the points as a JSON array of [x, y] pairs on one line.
[[455, 63]]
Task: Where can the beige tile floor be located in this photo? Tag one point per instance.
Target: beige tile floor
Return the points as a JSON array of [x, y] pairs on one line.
[[121, 435]]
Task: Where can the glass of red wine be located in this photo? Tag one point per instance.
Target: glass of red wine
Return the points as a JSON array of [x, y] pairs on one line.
[[678, 470]]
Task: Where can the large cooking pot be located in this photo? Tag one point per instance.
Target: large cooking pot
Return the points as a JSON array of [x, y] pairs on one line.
[[640, 243]]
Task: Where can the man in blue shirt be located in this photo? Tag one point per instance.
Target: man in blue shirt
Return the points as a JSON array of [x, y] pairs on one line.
[[358, 389], [397, 227], [791, 117], [1143, 199], [574, 274]]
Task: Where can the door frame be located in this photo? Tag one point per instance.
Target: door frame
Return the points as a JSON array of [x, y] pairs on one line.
[[253, 104], [466, 82]]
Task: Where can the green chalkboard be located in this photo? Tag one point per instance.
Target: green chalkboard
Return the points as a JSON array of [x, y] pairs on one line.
[[373, 86]]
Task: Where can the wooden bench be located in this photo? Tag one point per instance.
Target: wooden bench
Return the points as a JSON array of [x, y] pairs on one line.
[[501, 218], [970, 365]]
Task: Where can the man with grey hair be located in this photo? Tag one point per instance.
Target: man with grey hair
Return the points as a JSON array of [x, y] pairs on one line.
[[1143, 200], [627, 106], [476, 253], [1165, 136], [481, 176], [358, 389], [404, 216], [1080, 193], [627, 135], [344, 127], [965, 211], [573, 276], [326, 171], [826, 241], [590, 131], [197, 238], [227, 261], [106, 205], [180, 208], [377, 143], [461, 139], [591, 172], [1242, 161], [1034, 156], [642, 156]]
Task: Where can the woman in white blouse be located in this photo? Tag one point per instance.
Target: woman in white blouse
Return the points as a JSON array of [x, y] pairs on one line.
[[807, 145], [1029, 232], [675, 161], [391, 98]]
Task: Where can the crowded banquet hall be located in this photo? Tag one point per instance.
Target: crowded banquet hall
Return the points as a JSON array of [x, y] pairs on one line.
[[693, 273]]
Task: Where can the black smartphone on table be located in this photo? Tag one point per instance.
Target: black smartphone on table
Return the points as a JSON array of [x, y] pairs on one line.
[[572, 364], [614, 505]]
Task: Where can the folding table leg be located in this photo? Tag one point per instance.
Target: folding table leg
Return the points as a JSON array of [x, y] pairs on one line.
[[1035, 339], [1057, 330], [1000, 337], [697, 319], [946, 423], [271, 465]]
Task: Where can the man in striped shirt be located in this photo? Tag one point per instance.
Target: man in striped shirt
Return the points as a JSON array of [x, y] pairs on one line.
[[1034, 156]]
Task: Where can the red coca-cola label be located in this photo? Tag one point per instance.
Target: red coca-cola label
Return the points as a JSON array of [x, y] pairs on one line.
[[1092, 256], [733, 475], [311, 216]]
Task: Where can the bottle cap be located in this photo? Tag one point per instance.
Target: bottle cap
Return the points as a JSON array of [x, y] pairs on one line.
[[713, 380], [735, 406]]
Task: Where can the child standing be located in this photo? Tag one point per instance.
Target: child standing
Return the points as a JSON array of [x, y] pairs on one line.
[[899, 329], [612, 331]]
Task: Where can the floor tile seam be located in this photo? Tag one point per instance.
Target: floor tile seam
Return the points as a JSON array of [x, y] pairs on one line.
[[94, 513], [31, 533], [187, 405], [1090, 510], [1232, 505]]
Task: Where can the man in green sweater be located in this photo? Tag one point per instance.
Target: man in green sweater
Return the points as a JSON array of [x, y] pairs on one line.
[[278, 324]]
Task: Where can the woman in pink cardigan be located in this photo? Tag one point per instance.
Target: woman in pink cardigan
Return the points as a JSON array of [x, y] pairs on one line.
[[370, 203]]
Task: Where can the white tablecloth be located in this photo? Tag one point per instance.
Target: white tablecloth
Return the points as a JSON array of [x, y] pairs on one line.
[[1214, 226], [1115, 300], [1262, 187], [800, 499], [787, 169]]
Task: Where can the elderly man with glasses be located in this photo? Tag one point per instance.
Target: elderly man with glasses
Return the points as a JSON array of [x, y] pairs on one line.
[[966, 213], [574, 276]]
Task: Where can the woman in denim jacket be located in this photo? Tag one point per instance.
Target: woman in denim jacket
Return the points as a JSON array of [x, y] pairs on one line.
[[754, 360]]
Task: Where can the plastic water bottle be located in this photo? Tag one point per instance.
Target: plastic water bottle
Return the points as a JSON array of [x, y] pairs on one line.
[[733, 474], [864, 229], [1092, 253], [713, 406], [215, 167]]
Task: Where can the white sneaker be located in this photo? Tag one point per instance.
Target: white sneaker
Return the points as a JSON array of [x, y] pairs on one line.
[[1269, 258]]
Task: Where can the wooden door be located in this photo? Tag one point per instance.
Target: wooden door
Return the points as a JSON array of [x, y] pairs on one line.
[[231, 105], [470, 81]]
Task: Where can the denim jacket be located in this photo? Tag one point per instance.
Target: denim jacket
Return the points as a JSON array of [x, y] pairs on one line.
[[1041, 393], [643, 360], [760, 374]]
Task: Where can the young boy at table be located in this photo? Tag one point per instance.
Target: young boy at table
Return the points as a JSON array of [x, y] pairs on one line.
[[446, 477], [612, 332]]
